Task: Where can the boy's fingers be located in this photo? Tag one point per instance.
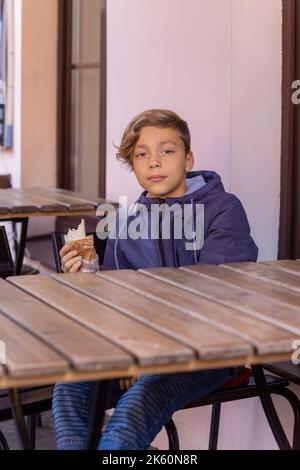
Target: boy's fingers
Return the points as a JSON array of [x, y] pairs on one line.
[[75, 268], [69, 256], [128, 383], [122, 384], [131, 381], [64, 250], [69, 265]]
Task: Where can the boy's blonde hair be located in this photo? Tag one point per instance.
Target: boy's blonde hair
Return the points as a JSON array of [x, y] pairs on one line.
[[156, 118]]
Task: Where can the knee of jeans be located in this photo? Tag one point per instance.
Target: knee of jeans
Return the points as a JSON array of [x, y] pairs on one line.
[[58, 389], [138, 393], [64, 389]]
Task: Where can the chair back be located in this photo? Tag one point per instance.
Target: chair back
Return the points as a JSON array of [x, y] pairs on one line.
[[58, 242], [7, 267], [5, 181]]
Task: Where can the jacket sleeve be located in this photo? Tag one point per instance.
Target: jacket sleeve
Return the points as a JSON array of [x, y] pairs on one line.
[[228, 238]]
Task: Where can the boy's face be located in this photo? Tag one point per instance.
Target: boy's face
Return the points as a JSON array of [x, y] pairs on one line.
[[160, 162]]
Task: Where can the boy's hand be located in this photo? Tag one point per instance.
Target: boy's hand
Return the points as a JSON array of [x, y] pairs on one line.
[[127, 383], [70, 262]]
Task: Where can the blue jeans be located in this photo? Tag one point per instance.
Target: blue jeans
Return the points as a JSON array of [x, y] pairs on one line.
[[140, 412]]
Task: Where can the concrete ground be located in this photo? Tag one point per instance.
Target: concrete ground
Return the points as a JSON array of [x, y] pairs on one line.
[[45, 439]]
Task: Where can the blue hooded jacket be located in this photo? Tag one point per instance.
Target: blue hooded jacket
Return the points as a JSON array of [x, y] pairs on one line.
[[226, 230]]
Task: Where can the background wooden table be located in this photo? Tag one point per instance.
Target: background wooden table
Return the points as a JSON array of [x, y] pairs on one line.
[[19, 205], [46, 201], [121, 323]]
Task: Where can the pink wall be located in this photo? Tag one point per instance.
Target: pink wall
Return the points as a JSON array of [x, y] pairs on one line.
[[218, 64], [166, 53], [256, 116]]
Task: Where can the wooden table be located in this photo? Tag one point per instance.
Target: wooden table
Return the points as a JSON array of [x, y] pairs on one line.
[[74, 327], [21, 204]]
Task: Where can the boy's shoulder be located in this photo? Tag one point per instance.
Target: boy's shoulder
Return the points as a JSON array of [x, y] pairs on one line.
[[219, 197], [227, 203], [226, 198]]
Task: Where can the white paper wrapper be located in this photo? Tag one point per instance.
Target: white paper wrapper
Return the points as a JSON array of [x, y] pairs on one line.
[[76, 234]]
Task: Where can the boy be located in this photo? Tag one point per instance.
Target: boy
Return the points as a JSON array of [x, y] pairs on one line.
[[156, 146]]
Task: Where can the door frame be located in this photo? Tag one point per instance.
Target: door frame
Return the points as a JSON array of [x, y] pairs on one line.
[[289, 227]]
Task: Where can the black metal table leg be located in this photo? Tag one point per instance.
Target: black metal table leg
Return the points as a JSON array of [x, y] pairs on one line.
[[269, 408], [19, 420], [97, 414]]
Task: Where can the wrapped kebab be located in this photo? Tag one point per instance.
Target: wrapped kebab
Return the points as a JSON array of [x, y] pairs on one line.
[[84, 245]]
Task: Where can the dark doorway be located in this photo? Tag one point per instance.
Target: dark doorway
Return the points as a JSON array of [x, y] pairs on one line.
[[82, 96]]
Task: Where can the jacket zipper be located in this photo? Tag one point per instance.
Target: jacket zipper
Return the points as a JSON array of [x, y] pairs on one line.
[[160, 241], [174, 250]]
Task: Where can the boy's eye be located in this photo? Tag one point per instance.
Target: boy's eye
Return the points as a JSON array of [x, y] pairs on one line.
[[168, 151], [141, 155]]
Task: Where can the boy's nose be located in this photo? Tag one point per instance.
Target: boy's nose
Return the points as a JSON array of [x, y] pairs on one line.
[[154, 163]]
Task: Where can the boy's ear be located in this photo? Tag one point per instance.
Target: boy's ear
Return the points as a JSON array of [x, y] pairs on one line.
[[189, 161]]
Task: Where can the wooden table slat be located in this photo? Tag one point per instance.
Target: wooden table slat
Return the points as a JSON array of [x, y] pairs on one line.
[[74, 194], [268, 274], [71, 202], [285, 265], [36, 213], [253, 330], [33, 202], [243, 280], [207, 340], [25, 354], [83, 348], [145, 343], [270, 325], [4, 207], [13, 203], [40, 202]]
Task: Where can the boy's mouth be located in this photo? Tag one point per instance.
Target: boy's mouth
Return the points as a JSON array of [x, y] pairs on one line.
[[156, 178]]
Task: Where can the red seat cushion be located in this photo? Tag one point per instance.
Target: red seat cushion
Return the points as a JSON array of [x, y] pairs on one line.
[[241, 379]]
